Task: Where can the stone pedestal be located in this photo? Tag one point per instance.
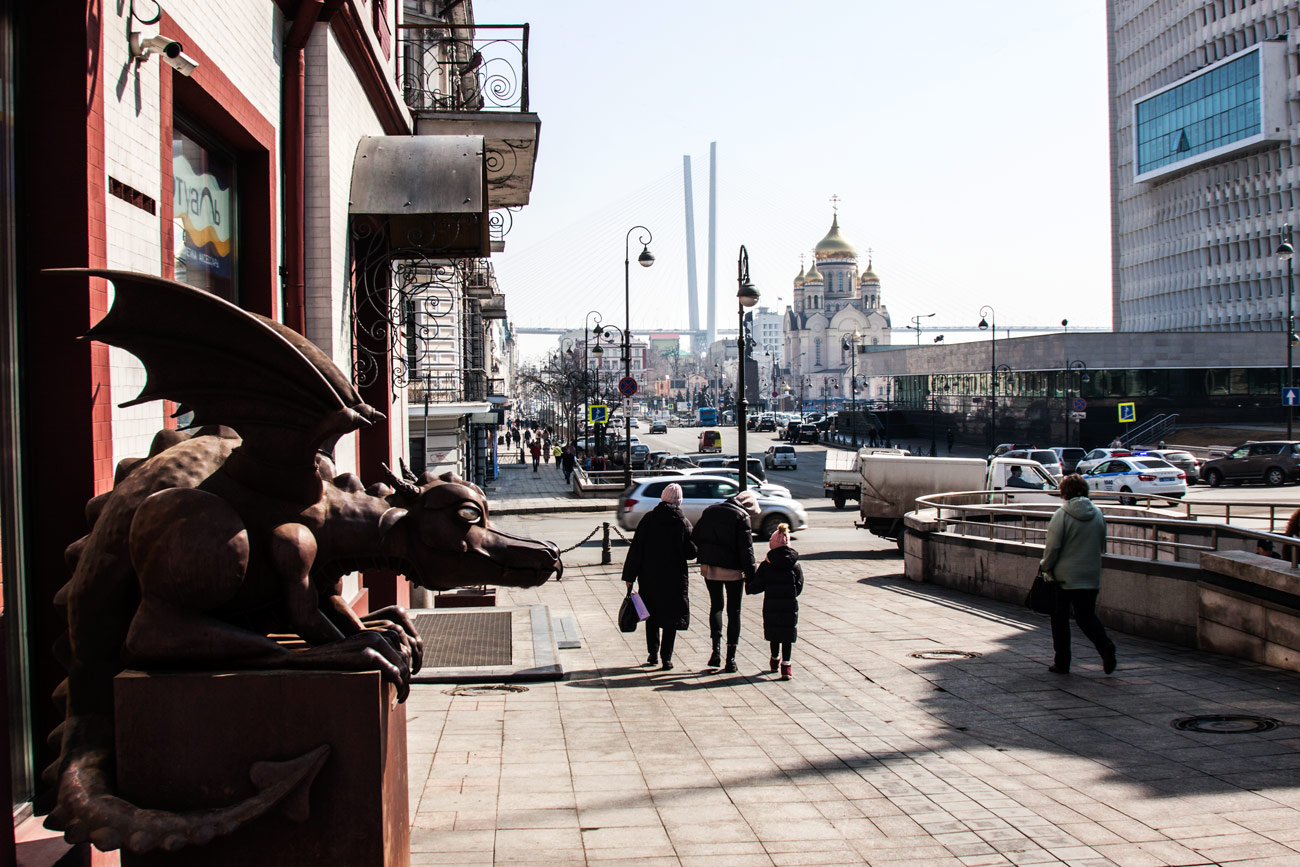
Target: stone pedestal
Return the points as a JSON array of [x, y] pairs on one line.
[[186, 741]]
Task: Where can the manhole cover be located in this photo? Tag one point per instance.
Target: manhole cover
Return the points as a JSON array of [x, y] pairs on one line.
[[486, 689], [1226, 725], [944, 654]]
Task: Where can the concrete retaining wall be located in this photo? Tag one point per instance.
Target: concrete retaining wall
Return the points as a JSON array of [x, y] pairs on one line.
[[1229, 601]]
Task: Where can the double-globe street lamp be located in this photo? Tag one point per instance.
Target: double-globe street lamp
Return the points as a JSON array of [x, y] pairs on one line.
[[603, 332], [851, 343], [989, 322], [1072, 368], [646, 259], [1286, 253], [746, 296]]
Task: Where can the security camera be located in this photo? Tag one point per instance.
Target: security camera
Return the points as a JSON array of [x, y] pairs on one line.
[[171, 52]]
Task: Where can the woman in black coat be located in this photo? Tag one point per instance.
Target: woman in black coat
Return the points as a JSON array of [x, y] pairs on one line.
[[780, 579], [657, 557], [725, 540]]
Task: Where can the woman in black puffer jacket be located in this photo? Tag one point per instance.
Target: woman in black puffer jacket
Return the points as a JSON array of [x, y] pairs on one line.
[[725, 540], [780, 580], [658, 558]]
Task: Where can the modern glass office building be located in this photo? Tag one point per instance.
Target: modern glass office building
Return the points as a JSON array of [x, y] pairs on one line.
[[1203, 161]]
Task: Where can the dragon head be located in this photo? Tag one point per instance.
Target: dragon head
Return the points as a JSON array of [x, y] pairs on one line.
[[440, 528]]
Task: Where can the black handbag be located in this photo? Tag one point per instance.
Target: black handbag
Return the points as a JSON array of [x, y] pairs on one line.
[[1042, 595], [627, 616]]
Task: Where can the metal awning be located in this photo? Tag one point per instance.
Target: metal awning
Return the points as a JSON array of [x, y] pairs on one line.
[[432, 189], [415, 409], [511, 140]]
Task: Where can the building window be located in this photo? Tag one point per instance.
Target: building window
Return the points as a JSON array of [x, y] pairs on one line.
[[817, 356], [204, 203]]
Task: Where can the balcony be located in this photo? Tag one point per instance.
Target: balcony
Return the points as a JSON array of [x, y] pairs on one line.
[[472, 79]]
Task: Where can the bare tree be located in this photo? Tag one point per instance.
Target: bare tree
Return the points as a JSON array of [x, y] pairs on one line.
[[559, 380]]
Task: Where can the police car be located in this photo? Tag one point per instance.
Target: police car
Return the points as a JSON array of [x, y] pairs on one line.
[[1096, 457], [1137, 475]]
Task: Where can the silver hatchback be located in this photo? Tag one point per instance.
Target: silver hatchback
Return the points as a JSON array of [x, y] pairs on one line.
[[698, 493]]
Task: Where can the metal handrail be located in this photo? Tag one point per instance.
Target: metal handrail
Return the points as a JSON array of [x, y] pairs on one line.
[[994, 504]]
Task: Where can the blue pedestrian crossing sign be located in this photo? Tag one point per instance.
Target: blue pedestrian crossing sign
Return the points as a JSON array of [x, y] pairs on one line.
[[1291, 396], [1128, 412], [598, 414]]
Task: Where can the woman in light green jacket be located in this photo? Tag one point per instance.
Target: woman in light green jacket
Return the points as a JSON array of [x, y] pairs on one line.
[[1076, 539]]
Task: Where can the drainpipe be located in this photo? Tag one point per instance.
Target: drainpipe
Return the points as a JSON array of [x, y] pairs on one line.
[[294, 72]]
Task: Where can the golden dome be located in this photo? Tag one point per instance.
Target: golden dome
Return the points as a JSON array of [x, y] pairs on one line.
[[813, 275], [833, 246], [869, 276], [799, 281]]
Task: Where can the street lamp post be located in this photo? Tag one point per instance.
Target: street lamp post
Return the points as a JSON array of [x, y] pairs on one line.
[[1071, 368], [916, 325], [603, 332], [646, 259], [851, 343], [989, 322], [1285, 252], [746, 296]]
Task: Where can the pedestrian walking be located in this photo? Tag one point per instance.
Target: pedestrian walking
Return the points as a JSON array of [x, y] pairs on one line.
[[535, 449], [951, 438], [780, 579], [657, 558], [1116, 443], [1076, 539], [557, 452], [725, 540], [568, 460]]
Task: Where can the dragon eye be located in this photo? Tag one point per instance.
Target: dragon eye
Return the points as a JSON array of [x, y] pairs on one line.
[[470, 514]]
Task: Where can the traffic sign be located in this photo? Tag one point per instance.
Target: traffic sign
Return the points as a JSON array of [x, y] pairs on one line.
[[598, 413], [627, 386], [1291, 396], [1078, 416], [1128, 412], [1079, 404]]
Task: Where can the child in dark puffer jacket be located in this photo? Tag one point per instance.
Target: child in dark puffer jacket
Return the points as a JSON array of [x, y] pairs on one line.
[[780, 580]]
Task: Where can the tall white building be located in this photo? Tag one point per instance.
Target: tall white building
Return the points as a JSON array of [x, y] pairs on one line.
[[1204, 144]]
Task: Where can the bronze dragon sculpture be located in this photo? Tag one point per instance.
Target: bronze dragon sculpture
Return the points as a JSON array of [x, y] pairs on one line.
[[236, 531]]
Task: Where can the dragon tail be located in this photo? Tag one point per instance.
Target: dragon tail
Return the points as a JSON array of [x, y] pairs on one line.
[[89, 811]]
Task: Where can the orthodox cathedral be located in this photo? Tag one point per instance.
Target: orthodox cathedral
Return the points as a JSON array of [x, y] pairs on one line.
[[834, 308]]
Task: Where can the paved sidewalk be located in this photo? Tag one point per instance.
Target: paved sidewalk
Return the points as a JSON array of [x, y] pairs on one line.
[[519, 491], [869, 755]]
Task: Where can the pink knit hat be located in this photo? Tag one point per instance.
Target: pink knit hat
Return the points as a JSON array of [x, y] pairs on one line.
[[780, 538], [672, 494]]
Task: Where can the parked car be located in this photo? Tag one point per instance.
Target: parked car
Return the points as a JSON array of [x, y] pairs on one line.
[[755, 465], [1003, 448], [1096, 456], [757, 485], [1137, 475], [1050, 460], [677, 462], [802, 433], [780, 456], [1275, 462], [710, 441], [656, 459], [658, 427], [1185, 461], [1068, 458], [698, 493]]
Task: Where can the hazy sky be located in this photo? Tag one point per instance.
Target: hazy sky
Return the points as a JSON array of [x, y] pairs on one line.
[[967, 143]]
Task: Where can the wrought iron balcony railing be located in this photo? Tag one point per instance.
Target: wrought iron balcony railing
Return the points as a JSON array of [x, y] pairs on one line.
[[464, 67]]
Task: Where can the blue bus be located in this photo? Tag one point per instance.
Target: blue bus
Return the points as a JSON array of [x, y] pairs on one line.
[[706, 416]]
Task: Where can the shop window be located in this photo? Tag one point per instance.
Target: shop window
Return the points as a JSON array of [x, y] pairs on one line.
[[204, 207]]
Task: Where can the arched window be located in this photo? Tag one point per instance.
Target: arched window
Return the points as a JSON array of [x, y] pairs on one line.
[[817, 356], [841, 281]]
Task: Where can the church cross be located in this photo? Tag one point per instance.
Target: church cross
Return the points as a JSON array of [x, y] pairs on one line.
[[835, 203]]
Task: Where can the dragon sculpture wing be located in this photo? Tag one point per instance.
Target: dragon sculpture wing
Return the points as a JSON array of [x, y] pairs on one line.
[[281, 393]]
